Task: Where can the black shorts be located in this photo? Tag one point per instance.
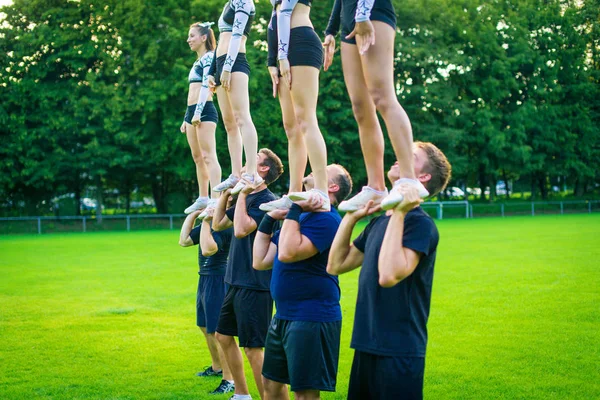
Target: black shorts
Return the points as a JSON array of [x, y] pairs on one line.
[[305, 47], [303, 354], [209, 113], [246, 313], [383, 11], [380, 377], [209, 300], [240, 65]]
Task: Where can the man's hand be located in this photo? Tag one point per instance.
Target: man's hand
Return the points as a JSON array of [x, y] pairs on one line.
[[249, 188], [226, 80], [210, 212], [365, 36], [313, 204], [329, 47], [274, 72], [286, 71], [411, 198], [367, 210], [182, 128], [278, 214]]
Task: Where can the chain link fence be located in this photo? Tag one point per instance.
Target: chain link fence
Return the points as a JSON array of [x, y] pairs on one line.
[[437, 210]]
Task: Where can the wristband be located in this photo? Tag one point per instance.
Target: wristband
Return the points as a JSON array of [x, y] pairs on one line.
[[267, 225], [294, 213]]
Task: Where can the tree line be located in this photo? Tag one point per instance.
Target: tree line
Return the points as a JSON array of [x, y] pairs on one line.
[[93, 94]]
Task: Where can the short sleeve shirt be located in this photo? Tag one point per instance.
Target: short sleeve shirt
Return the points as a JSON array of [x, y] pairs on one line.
[[303, 290], [393, 321], [215, 264], [239, 270]]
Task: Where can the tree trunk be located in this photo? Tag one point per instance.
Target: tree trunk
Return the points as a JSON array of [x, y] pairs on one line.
[[506, 184], [99, 198], [158, 192], [482, 182], [533, 187], [543, 186]]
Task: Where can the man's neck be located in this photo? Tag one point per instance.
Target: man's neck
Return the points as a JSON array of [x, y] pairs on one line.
[[262, 187]]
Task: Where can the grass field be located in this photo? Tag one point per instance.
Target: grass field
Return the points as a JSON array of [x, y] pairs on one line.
[[515, 314]]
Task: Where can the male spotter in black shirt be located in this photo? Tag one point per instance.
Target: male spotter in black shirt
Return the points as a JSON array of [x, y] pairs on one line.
[[212, 259], [397, 252], [248, 306]]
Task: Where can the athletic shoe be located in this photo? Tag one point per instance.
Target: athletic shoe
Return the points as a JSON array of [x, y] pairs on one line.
[[253, 179], [226, 184], [241, 397], [362, 198], [298, 196], [212, 203], [209, 372], [224, 387], [395, 197], [283, 203], [199, 204]]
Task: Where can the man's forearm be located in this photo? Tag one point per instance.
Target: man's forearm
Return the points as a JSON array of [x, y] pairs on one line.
[[207, 241], [243, 225], [340, 248], [220, 220], [186, 229], [394, 264]]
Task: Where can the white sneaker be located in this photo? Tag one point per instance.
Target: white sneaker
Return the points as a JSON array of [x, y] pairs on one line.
[[241, 397], [200, 203], [254, 179], [226, 184], [395, 197], [283, 203], [362, 198], [296, 196], [212, 203]]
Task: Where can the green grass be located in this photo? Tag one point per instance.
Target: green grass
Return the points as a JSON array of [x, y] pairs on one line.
[[110, 315]]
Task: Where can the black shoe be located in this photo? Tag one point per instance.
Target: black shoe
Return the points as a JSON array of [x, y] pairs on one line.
[[210, 372], [224, 387]]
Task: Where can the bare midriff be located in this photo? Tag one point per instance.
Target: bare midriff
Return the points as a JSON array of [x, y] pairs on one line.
[[300, 16], [223, 45], [194, 92]]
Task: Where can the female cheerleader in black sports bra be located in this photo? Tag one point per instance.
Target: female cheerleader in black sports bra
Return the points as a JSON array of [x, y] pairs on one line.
[[368, 67], [296, 54], [200, 121], [229, 76]]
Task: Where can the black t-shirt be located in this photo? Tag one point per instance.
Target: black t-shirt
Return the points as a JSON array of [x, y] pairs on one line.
[[215, 264], [393, 321], [239, 266]]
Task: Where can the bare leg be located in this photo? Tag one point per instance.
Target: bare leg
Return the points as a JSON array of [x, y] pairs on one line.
[[378, 67], [234, 137], [369, 130], [240, 102], [201, 170], [233, 355], [206, 138], [308, 395], [296, 145], [213, 348], [275, 390], [255, 358], [227, 375], [305, 92]]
